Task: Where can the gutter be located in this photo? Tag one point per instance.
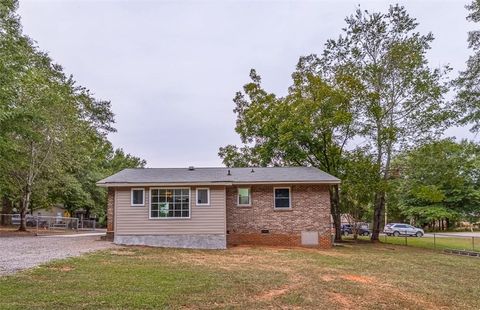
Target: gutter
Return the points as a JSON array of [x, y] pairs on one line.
[[151, 184]]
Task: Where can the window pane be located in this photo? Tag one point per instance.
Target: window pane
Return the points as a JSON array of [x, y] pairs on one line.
[[282, 193], [243, 200], [282, 203], [202, 196], [137, 197], [243, 196], [168, 203], [282, 198]]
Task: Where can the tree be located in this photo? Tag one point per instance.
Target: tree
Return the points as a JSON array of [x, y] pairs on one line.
[[439, 182], [358, 186], [401, 97], [467, 99], [308, 127], [53, 145]]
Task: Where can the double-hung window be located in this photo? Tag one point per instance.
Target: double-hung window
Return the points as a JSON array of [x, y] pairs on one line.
[[282, 198], [244, 197], [170, 203], [203, 196], [137, 197]]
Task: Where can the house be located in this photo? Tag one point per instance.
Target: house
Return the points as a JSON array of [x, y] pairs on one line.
[[53, 211], [215, 207]]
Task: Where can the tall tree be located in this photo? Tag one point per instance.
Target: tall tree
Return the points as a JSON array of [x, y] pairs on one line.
[[467, 84], [309, 127], [402, 97], [53, 133]]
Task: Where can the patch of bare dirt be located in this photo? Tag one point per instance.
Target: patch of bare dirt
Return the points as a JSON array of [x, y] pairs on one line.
[[358, 279], [382, 290], [294, 283], [122, 252], [13, 232], [62, 268], [342, 300], [328, 277]]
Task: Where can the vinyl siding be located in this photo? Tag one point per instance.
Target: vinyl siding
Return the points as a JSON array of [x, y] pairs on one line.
[[203, 219]]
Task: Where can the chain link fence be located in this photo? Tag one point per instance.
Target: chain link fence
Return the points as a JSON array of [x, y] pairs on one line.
[[458, 243], [466, 242], [46, 224]]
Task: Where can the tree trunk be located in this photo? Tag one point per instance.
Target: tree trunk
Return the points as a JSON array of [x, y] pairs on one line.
[[25, 205], [7, 207], [335, 210], [378, 215]]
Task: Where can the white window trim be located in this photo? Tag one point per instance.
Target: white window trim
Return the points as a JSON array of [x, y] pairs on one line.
[[143, 196], [169, 218], [289, 198], [208, 196], [249, 197]]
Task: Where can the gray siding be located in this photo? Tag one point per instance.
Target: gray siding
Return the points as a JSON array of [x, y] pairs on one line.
[[203, 220]]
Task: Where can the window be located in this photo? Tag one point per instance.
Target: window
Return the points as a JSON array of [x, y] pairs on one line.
[[203, 196], [282, 198], [170, 203], [138, 197], [243, 197]]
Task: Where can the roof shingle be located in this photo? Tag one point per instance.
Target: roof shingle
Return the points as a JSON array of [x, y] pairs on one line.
[[219, 175]]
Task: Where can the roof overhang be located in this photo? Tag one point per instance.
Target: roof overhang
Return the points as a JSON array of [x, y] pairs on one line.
[[155, 184]]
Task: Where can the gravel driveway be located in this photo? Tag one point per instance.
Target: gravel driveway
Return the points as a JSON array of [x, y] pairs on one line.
[[17, 253]]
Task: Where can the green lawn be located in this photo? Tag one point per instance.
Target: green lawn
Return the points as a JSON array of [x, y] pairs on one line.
[[438, 243], [360, 276]]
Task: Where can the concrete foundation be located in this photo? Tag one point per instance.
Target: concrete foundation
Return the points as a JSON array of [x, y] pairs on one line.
[[175, 241]]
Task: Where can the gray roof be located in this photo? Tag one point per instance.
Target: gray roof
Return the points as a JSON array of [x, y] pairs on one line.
[[219, 175]]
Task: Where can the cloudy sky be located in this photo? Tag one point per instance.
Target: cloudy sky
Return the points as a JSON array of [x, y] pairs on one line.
[[171, 68]]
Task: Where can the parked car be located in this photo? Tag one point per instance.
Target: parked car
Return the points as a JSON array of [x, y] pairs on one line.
[[347, 229], [397, 229]]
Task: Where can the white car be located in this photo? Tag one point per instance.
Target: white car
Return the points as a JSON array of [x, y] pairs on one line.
[[397, 229]]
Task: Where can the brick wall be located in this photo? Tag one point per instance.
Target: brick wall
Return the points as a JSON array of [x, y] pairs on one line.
[[110, 213], [310, 212]]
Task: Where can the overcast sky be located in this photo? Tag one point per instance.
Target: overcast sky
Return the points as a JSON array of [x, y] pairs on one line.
[[171, 68]]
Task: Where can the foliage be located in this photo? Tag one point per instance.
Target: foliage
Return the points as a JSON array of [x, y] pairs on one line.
[[439, 180], [401, 97], [467, 85], [53, 145], [358, 185], [309, 127]]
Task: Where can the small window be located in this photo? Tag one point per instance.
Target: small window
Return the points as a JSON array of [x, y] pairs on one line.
[[282, 198], [243, 197], [203, 196], [138, 197]]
